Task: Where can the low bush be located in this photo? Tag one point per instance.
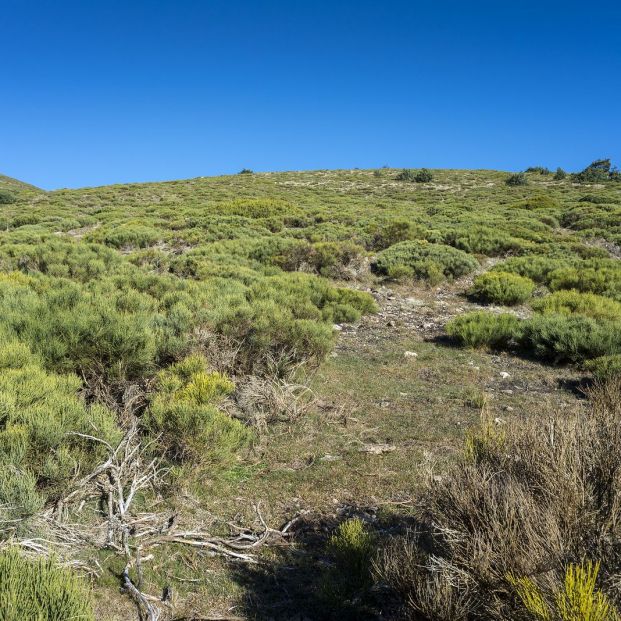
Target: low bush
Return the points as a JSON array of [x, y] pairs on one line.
[[560, 174], [7, 198], [534, 267], [484, 240], [37, 590], [569, 338], [536, 494], [351, 549], [387, 234], [573, 302], [597, 172], [539, 170], [185, 419], [423, 176], [40, 452], [407, 174], [517, 179], [600, 280], [605, 368], [481, 329], [423, 260], [329, 259], [502, 288], [128, 236], [575, 597]]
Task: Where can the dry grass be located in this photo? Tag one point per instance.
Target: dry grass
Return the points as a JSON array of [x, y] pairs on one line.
[[527, 500]]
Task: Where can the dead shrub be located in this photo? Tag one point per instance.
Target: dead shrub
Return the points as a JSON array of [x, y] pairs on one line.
[[525, 502]]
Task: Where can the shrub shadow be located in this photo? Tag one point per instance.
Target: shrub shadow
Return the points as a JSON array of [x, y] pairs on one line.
[[292, 581]]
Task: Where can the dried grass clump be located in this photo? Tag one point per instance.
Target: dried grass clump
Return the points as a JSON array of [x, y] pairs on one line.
[[526, 502]]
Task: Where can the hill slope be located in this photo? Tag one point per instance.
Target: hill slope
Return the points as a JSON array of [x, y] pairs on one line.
[[279, 344]]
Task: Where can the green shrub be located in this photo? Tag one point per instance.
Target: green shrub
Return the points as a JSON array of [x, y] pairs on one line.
[[37, 590], [423, 176], [534, 267], [517, 179], [573, 338], [573, 302], [128, 235], [7, 198], [502, 288], [245, 171], [482, 329], [484, 240], [352, 547], [41, 413], [329, 259], [433, 262], [600, 280], [184, 416], [539, 201], [605, 368], [387, 234], [560, 174], [596, 172], [407, 174], [540, 170]]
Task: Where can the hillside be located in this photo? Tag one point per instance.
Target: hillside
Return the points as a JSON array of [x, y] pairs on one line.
[[8, 183], [202, 379]]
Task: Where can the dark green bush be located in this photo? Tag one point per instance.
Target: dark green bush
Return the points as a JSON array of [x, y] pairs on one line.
[[407, 174], [540, 170], [517, 179], [423, 176], [420, 259], [245, 171], [596, 172], [502, 288], [482, 329], [569, 338], [7, 198], [37, 590], [560, 174]]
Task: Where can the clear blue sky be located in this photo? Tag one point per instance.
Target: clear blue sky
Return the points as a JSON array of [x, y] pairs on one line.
[[102, 91]]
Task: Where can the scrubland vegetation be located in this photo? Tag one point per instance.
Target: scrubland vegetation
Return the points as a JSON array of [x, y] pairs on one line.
[[166, 348]]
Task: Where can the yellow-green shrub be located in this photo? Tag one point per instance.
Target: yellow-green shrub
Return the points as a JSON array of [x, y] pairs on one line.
[[482, 329], [185, 418], [502, 288], [573, 302], [37, 590]]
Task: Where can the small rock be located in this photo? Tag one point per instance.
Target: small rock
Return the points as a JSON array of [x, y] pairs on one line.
[[337, 327], [410, 354], [377, 449], [330, 458], [499, 421], [508, 408], [504, 375], [334, 355], [413, 302]]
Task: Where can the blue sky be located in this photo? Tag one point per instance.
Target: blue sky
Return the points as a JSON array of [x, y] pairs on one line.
[[95, 92]]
